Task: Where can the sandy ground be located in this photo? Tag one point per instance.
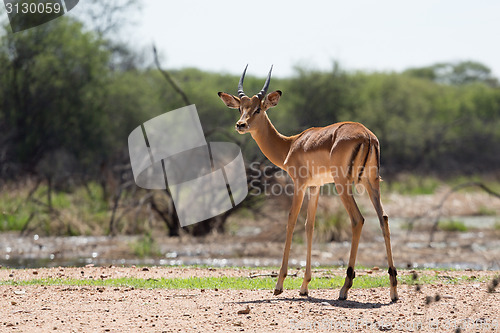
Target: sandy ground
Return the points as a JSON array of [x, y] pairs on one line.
[[109, 309]]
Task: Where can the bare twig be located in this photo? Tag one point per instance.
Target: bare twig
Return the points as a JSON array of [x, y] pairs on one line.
[[170, 80], [170, 218], [112, 221], [273, 274], [439, 207], [26, 224]]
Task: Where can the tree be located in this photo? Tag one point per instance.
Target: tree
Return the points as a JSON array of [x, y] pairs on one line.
[[319, 98], [107, 17], [458, 73], [52, 87]]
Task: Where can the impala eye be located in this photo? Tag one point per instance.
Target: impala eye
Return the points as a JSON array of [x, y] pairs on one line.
[[257, 111]]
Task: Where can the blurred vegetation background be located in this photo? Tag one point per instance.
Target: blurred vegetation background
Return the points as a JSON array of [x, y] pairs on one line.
[[70, 93]]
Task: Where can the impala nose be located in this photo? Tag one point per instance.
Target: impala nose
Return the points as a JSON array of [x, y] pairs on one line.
[[241, 125]]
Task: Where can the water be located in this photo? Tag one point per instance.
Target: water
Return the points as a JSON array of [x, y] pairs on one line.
[[473, 249]]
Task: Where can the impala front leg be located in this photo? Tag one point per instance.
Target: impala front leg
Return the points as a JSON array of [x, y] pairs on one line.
[[298, 197]]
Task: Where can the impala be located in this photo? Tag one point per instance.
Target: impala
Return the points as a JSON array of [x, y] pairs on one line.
[[344, 153]]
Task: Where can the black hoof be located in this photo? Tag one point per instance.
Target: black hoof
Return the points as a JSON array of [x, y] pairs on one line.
[[277, 292], [303, 294]]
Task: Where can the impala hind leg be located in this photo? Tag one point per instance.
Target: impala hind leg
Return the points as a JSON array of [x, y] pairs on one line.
[[311, 215], [373, 188], [357, 221], [298, 197]]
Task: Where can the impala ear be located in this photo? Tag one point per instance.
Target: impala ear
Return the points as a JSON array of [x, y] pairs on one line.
[[271, 100], [231, 101]]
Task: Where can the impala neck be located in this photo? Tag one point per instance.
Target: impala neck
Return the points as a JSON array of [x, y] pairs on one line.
[[272, 144]]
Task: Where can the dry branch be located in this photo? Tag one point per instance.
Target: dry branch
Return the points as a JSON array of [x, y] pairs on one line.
[[169, 79], [273, 274], [439, 207]]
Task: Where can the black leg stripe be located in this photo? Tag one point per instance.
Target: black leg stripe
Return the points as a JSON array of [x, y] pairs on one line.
[[350, 273], [392, 271], [355, 152], [369, 148]]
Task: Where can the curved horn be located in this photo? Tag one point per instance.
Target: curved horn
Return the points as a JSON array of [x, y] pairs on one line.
[[261, 94], [241, 93]]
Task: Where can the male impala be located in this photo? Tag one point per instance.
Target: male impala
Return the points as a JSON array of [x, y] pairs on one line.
[[343, 153]]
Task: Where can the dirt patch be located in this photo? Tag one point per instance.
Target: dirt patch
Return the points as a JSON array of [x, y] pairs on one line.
[[110, 309]]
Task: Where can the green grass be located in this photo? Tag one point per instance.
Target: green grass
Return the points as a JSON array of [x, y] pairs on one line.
[[14, 212], [81, 211], [486, 211], [452, 225], [408, 184], [237, 283], [415, 184], [497, 225], [334, 226], [146, 246], [492, 182]]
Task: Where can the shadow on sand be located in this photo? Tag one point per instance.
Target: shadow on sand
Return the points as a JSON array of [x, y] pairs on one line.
[[323, 301]]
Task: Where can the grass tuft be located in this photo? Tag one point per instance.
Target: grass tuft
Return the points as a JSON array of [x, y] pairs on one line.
[[452, 225]]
